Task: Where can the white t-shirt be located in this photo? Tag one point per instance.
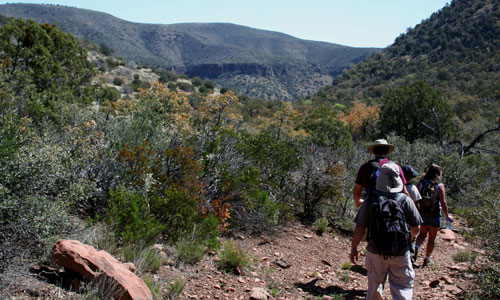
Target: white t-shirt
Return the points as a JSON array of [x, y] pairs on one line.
[[414, 193]]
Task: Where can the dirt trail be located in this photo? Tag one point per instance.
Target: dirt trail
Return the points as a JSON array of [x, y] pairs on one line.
[[299, 264]]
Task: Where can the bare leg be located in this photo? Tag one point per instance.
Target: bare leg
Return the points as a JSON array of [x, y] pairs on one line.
[[431, 242], [422, 234]]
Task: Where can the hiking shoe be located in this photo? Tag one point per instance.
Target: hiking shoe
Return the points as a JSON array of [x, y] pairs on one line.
[[428, 261]]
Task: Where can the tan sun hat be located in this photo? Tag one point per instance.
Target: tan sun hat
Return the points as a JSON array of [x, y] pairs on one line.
[[380, 142], [389, 180]]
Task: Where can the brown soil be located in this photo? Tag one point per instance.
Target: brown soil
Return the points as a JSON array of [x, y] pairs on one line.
[[296, 264]]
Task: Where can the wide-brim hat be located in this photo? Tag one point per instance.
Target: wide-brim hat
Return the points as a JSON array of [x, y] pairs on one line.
[[380, 142], [388, 179]]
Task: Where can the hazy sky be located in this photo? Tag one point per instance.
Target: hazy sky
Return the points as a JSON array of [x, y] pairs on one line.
[[359, 23]]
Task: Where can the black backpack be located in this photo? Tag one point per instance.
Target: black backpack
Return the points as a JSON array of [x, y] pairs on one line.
[[387, 227], [429, 204]]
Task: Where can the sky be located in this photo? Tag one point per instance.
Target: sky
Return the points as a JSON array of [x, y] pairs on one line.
[[356, 23]]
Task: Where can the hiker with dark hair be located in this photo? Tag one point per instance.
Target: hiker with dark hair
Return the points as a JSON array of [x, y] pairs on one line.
[[414, 194], [432, 205], [412, 189], [384, 217], [366, 177]]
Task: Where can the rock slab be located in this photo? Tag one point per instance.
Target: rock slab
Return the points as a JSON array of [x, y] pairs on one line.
[[101, 267]]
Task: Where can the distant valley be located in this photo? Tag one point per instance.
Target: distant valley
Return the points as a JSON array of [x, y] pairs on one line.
[[254, 62]]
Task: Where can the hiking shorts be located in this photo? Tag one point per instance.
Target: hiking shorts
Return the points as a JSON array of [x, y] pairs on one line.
[[400, 271], [433, 221]]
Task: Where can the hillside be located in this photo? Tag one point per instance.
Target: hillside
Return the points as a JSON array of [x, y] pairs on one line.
[[455, 49], [256, 62]]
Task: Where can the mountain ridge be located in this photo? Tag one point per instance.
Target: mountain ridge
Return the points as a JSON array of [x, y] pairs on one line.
[[218, 51]]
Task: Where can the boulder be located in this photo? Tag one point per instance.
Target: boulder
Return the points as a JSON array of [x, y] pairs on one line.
[[100, 267]]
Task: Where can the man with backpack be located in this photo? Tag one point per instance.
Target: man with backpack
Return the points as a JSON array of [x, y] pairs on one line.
[[385, 214], [367, 173]]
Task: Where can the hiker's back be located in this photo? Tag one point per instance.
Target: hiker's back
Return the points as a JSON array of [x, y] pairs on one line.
[[429, 205], [388, 233]]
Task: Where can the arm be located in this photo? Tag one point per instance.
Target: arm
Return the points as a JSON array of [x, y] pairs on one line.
[[359, 233], [442, 199], [357, 195]]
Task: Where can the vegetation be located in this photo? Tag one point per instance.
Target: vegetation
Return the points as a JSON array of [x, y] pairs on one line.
[[184, 167], [233, 258]]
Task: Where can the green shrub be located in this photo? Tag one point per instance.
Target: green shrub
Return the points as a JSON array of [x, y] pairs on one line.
[[232, 257], [209, 84], [175, 288], [197, 81], [346, 265], [118, 81], [172, 86], [203, 90], [190, 251], [321, 225], [464, 256], [131, 217], [154, 285], [185, 86]]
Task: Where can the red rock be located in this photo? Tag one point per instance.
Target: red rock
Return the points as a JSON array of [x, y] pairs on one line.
[[447, 234], [95, 265]]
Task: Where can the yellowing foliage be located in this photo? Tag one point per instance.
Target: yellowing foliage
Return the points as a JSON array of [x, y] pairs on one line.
[[220, 110], [360, 117], [173, 105]]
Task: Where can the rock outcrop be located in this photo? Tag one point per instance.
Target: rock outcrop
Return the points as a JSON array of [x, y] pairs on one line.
[[102, 268]]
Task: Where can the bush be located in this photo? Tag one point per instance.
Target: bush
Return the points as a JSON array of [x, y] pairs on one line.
[[203, 90], [464, 256], [175, 288], [197, 81], [172, 86], [190, 251], [118, 81], [186, 87], [131, 218], [232, 257], [209, 84], [321, 225]]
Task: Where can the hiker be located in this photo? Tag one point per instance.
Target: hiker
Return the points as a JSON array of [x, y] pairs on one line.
[[387, 235], [412, 189], [432, 205], [414, 194], [365, 177]]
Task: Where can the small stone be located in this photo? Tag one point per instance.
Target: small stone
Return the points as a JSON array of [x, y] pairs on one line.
[[259, 293], [326, 262], [298, 239], [434, 283], [241, 280], [447, 279], [307, 236], [217, 286]]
